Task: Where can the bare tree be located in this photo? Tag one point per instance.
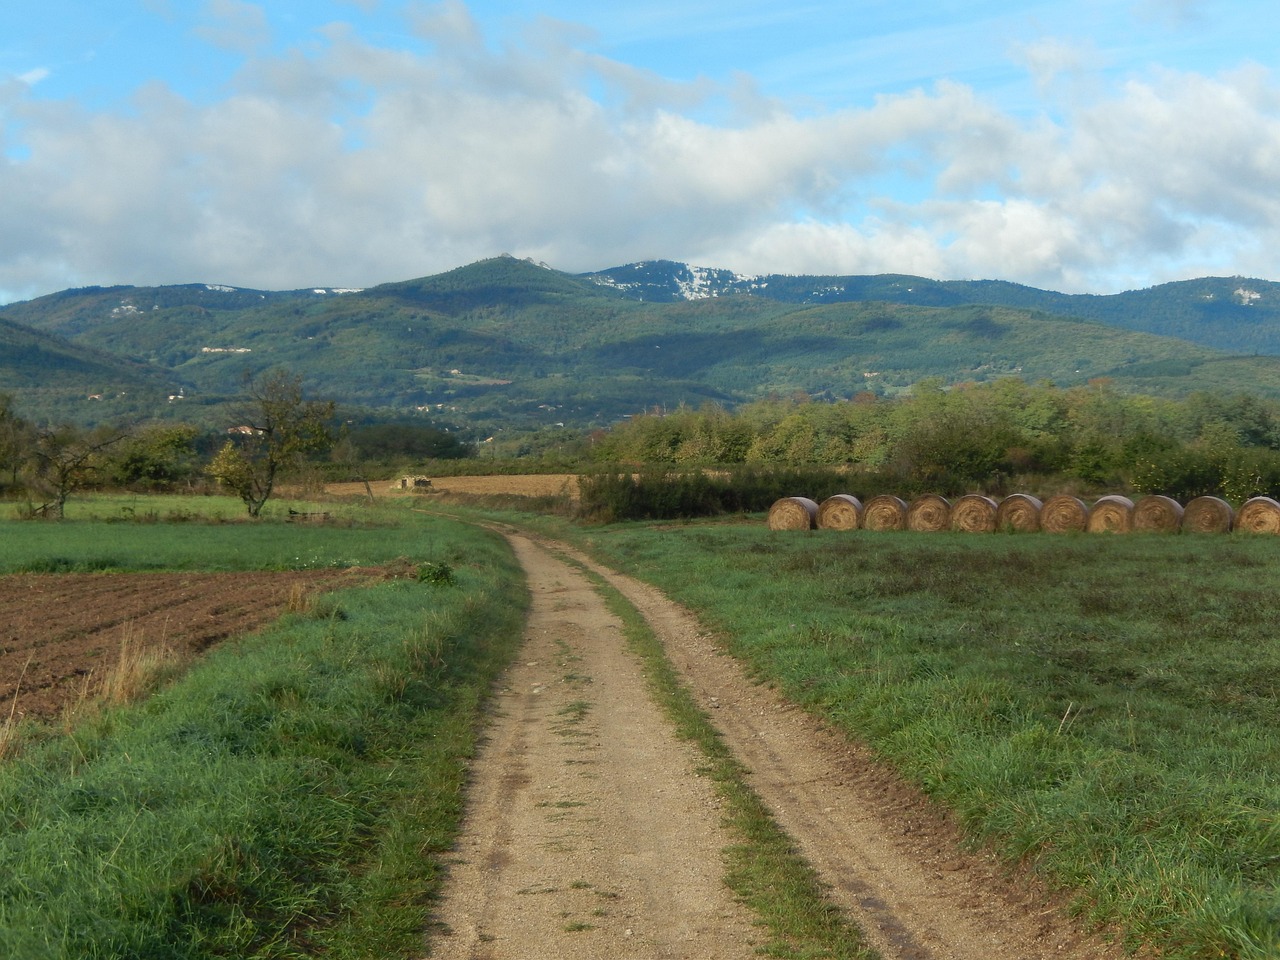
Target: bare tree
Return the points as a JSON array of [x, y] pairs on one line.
[[279, 427], [64, 459]]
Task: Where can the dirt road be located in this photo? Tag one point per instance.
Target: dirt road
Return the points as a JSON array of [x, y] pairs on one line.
[[591, 835]]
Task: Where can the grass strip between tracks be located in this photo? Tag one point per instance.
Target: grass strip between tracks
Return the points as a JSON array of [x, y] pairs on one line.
[[764, 868], [293, 795]]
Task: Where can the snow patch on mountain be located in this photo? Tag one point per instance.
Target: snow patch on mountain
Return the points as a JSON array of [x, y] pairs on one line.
[[662, 280]]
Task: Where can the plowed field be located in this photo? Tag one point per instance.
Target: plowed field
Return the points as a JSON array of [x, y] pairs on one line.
[[60, 634]]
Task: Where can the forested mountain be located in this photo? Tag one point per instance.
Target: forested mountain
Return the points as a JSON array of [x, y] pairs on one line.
[[51, 373], [506, 343], [1233, 314]]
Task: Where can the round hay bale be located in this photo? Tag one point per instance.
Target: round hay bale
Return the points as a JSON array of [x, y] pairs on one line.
[[1019, 512], [1157, 514], [1207, 515], [885, 512], [1064, 513], [1111, 514], [929, 514], [840, 511], [974, 513], [1259, 515], [793, 513]]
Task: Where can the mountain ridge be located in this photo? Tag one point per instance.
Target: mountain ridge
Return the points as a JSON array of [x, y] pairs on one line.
[[505, 342]]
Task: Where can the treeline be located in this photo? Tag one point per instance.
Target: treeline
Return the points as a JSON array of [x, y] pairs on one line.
[[279, 435], [993, 438]]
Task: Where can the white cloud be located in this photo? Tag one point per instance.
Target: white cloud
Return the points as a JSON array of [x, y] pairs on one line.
[[234, 25], [351, 164], [1049, 58], [1173, 12], [32, 77]]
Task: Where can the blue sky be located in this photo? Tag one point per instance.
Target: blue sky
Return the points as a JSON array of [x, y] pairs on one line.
[[1084, 146]]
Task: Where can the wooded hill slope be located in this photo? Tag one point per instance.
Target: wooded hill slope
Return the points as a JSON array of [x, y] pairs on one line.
[[506, 343]]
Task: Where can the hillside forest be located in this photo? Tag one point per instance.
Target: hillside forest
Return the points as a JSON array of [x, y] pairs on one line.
[[507, 348]]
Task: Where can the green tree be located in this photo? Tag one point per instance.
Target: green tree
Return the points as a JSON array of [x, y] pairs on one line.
[[16, 440], [405, 442], [156, 457], [278, 429]]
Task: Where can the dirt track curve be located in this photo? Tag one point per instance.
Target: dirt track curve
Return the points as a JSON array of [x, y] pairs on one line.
[[590, 834]]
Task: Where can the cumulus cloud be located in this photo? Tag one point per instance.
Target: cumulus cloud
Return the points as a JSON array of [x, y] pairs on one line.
[[351, 163]]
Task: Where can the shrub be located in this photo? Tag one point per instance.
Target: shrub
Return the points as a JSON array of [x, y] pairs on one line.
[[677, 495]]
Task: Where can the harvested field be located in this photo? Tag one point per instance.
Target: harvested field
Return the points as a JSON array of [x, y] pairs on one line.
[[518, 485], [62, 634]]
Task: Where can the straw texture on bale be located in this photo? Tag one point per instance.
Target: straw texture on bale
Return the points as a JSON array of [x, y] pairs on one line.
[[974, 513], [841, 511], [1111, 514], [1207, 515], [929, 514], [1157, 514], [1064, 513], [1019, 512], [793, 513], [885, 512], [1259, 515]]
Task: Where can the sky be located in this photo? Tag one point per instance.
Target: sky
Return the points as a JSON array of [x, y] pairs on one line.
[[1086, 146]]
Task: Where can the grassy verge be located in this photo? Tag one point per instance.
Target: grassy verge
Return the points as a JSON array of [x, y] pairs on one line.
[[765, 870], [1103, 708], [291, 796]]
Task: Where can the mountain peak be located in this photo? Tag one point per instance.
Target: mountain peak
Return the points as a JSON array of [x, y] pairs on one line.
[[667, 281]]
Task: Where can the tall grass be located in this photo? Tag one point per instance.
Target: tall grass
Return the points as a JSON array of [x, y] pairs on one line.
[[138, 669], [1101, 708], [9, 727], [292, 795]]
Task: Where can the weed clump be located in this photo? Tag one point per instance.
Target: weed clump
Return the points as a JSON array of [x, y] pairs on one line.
[[436, 573]]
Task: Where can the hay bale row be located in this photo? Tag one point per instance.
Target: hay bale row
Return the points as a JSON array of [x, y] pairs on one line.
[[793, 513], [974, 513], [1064, 514], [840, 512], [1020, 512], [1157, 514]]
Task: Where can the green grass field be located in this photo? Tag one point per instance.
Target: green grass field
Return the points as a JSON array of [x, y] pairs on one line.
[[294, 793], [211, 534], [1101, 707]]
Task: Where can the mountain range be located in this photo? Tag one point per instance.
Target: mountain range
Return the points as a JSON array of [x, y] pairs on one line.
[[511, 344]]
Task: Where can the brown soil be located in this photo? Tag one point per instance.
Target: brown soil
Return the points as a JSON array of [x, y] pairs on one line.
[[60, 634], [590, 834]]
